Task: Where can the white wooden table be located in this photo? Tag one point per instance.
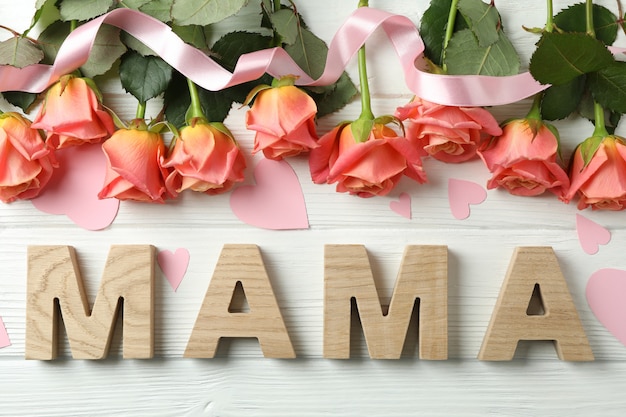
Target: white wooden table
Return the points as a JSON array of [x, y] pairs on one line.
[[240, 382]]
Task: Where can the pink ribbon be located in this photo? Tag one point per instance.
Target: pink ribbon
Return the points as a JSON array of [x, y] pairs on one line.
[[467, 90]]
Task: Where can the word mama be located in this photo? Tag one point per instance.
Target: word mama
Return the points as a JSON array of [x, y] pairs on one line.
[[55, 287]]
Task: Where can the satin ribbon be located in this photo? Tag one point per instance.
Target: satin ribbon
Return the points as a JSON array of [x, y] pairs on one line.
[[466, 90]]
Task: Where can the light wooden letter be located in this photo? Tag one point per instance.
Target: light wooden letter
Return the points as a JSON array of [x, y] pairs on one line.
[[243, 264], [53, 275], [510, 322], [423, 275]]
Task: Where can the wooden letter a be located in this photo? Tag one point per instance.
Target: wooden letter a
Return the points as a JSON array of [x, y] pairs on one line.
[[53, 275], [510, 322], [240, 263], [423, 275]]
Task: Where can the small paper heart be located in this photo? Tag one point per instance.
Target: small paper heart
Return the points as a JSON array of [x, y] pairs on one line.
[[591, 235], [402, 206], [275, 202], [174, 265], [461, 194], [605, 292], [4, 336], [74, 186]]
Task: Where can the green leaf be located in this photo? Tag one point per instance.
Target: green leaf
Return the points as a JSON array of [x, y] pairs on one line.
[[51, 39], [333, 97], [433, 29], [135, 4], [135, 45], [464, 56], [19, 52], [561, 57], [20, 99], [229, 48], [82, 10], [573, 19], [608, 87], [483, 20], [285, 23], [159, 9], [215, 105], [193, 35], [107, 49], [309, 52], [559, 101], [145, 77], [204, 12]]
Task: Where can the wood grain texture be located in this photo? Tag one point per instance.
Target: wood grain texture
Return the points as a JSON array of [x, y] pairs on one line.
[[240, 381], [55, 286], [240, 264], [534, 271], [422, 287]]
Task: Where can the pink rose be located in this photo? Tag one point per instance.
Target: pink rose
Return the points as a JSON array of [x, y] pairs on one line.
[[284, 120], [72, 114], [601, 183], [26, 163], [447, 133], [134, 165], [368, 168], [523, 160], [205, 158]]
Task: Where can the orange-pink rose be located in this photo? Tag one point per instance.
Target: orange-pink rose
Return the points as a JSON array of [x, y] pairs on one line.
[[26, 163], [72, 114], [205, 158], [601, 183], [447, 133], [523, 160], [284, 120], [368, 168], [134, 165]]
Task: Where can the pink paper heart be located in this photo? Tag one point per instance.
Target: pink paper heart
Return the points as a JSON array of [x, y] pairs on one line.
[[276, 201], [461, 194], [591, 235], [174, 265], [606, 295], [4, 336], [403, 206], [74, 186]]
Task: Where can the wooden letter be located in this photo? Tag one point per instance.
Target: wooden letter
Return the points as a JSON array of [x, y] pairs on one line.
[[423, 275], [53, 275], [510, 323], [243, 264]]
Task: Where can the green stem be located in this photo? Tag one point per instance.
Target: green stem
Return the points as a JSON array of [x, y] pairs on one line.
[[195, 108], [366, 100], [449, 29], [550, 17], [589, 18], [141, 111], [599, 123], [276, 5]]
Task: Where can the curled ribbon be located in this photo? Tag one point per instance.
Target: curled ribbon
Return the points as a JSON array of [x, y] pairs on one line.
[[465, 90]]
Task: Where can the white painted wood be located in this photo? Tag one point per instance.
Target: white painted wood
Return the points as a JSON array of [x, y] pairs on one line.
[[241, 382]]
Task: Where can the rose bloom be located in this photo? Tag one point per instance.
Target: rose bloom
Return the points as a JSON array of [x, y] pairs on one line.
[[134, 165], [368, 168], [284, 120], [205, 158], [72, 114], [26, 163], [600, 184], [447, 133], [523, 160]]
